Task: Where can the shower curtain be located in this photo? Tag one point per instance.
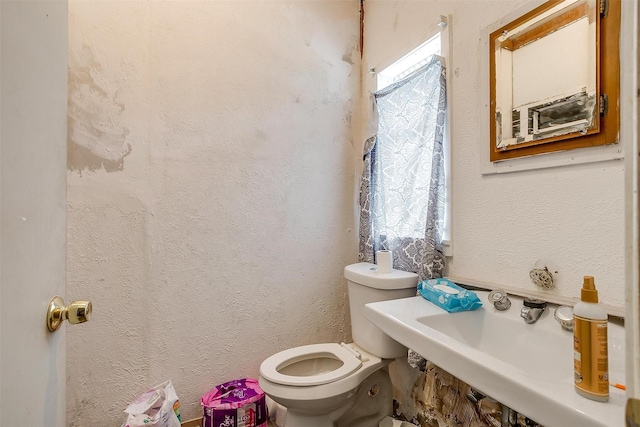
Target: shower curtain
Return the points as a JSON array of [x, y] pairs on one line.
[[402, 192]]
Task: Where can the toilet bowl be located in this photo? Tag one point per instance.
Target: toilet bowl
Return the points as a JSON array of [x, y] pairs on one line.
[[318, 383], [342, 385], [316, 377]]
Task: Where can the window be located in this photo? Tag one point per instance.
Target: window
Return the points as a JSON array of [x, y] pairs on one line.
[[406, 218], [404, 191], [409, 63]]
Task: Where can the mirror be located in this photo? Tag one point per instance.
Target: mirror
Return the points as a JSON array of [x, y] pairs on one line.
[[554, 79]]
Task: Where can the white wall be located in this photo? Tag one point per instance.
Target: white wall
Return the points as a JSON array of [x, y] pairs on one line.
[[572, 218], [211, 205]]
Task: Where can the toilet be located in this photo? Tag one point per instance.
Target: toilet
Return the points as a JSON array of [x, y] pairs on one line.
[[342, 385]]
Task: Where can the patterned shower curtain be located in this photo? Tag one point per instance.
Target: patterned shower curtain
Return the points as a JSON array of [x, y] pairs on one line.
[[402, 193]]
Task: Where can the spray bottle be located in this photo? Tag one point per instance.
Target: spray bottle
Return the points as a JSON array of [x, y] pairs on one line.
[[591, 357]]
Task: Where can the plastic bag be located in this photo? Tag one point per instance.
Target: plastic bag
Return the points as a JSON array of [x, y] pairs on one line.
[[449, 296], [158, 407]]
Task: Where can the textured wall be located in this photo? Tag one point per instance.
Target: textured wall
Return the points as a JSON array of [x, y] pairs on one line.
[[572, 217], [211, 191]]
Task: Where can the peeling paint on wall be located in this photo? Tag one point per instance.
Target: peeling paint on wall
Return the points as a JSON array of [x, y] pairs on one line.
[[96, 136], [350, 51]]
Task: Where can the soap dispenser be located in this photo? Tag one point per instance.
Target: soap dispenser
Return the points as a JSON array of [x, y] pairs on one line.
[[591, 359]]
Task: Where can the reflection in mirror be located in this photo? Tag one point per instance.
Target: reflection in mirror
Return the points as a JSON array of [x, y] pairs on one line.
[[546, 72], [555, 79]]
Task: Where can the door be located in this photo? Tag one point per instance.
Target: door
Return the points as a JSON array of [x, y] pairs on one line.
[[632, 319], [33, 117]]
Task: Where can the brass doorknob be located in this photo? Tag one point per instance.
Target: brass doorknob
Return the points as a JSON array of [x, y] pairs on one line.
[[76, 312]]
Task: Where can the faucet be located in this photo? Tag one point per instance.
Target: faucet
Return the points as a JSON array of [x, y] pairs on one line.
[[532, 310], [500, 300], [564, 316]]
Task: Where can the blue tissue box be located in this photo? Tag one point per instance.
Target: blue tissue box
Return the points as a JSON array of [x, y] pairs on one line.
[[448, 296]]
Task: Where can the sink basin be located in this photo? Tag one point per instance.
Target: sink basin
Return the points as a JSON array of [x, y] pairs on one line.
[[526, 367]]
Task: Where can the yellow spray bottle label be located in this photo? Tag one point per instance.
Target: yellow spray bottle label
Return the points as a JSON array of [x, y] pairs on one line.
[[590, 357]]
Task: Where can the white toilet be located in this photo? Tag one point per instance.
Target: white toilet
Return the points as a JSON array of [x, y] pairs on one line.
[[342, 385]]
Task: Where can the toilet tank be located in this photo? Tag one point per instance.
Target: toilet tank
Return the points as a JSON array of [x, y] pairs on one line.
[[366, 285]]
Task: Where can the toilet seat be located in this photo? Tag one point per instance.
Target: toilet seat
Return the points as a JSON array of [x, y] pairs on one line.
[[311, 365]]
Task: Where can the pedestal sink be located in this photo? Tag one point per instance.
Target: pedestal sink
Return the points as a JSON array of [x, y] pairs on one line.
[[526, 367]]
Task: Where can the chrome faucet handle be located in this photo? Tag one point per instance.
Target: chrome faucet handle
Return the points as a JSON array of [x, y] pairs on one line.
[[534, 303], [532, 309], [564, 316], [499, 299]]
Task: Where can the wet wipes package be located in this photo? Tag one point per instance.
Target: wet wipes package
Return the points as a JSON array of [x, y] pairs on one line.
[[448, 296]]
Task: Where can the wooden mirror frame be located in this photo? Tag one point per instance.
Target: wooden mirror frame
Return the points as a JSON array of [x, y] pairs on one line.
[[607, 78]]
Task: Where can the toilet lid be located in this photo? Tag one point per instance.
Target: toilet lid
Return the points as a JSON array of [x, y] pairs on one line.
[[310, 365]]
